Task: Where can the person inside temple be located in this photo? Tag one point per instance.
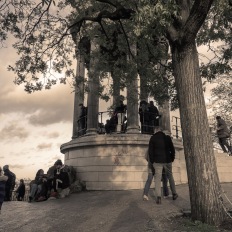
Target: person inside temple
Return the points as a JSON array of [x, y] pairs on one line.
[[153, 117], [120, 111]]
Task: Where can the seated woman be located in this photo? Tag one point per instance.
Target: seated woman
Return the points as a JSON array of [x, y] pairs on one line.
[[20, 190], [38, 187], [61, 182]]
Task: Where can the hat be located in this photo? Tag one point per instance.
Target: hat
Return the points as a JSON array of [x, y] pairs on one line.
[[5, 167], [58, 162]]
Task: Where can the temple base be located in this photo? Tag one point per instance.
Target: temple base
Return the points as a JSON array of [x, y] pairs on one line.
[[116, 161]]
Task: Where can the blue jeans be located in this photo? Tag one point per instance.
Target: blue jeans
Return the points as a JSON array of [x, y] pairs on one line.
[[149, 181]]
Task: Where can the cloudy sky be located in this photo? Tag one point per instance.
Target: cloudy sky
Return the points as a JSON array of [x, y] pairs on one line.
[[33, 126]]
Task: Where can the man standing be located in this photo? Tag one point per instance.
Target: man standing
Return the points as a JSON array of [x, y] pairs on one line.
[[120, 111], [10, 183], [161, 155], [223, 134], [153, 117]]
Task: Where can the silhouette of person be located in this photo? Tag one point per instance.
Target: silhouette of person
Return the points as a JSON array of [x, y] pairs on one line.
[[161, 155], [223, 134]]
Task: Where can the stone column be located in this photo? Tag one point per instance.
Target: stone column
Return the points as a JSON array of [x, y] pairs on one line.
[[79, 92], [93, 93], [164, 110], [132, 97], [116, 89]]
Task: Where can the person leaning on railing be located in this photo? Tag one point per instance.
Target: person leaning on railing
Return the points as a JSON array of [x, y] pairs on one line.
[[223, 134]]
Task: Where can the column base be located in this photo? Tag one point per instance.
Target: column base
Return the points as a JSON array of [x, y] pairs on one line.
[[132, 130], [91, 131]]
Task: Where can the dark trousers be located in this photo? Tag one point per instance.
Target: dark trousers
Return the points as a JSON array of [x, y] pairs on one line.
[[223, 142], [8, 193]]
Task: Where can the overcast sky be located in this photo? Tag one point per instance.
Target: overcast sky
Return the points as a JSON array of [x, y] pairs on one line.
[[33, 126]]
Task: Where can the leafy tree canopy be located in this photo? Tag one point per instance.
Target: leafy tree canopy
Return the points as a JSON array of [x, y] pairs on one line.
[[48, 33]]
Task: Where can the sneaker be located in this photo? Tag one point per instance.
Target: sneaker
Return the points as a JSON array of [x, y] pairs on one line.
[[42, 198], [174, 197], [54, 194], [165, 197], [145, 198], [158, 200]]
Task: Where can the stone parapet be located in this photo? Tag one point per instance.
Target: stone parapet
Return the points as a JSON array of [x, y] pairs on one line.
[[116, 161]]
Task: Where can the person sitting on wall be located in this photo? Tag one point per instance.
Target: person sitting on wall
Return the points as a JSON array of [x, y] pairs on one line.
[[38, 187]]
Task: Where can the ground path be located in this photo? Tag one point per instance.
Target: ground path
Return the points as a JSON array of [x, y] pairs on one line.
[[98, 211]]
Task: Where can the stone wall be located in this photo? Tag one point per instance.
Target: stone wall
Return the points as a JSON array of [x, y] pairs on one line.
[[114, 162], [117, 161]]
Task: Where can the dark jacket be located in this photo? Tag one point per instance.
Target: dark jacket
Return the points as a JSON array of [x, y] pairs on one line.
[[62, 175], [222, 129], [11, 179], [21, 190], [161, 148], [153, 112]]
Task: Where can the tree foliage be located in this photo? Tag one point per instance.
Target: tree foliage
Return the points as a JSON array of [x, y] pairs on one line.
[[221, 98]]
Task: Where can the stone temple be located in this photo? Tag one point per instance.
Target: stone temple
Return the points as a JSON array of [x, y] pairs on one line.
[[116, 161]]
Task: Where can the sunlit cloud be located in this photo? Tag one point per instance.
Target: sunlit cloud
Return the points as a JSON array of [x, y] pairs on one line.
[[13, 131], [53, 135], [43, 146]]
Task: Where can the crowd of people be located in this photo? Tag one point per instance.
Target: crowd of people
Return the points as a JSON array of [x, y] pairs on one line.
[[54, 184], [148, 114]]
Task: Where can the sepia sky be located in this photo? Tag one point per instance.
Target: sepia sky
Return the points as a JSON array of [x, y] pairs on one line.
[[33, 126]]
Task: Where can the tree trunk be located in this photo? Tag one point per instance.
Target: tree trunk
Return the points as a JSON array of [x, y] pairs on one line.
[[204, 186]]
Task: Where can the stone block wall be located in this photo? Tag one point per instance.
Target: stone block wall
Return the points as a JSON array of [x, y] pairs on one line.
[[113, 162]]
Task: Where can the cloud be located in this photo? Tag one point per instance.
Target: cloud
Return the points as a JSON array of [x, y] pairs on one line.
[[57, 102], [52, 135], [17, 166], [48, 117], [13, 131], [43, 146]]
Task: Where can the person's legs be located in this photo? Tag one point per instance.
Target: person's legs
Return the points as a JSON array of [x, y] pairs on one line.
[[222, 142], [226, 144], [7, 193], [148, 184], [165, 183], [158, 174], [168, 171], [34, 188]]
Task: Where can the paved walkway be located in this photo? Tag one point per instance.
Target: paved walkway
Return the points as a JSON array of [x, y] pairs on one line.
[[97, 211]]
